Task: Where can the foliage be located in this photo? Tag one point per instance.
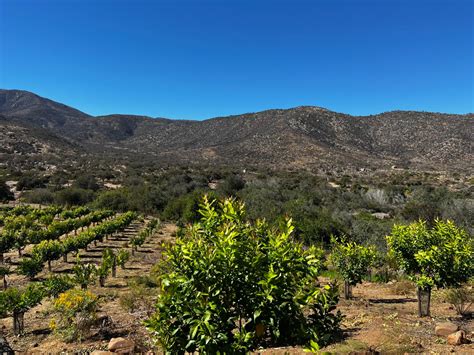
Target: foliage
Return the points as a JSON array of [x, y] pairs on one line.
[[16, 299], [15, 302], [76, 312], [5, 192], [229, 285], [442, 256], [47, 250], [461, 298], [55, 285], [105, 266], [74, 196], [84, 273], [352, 260], [30, 267], [123, 256], [41, 196]]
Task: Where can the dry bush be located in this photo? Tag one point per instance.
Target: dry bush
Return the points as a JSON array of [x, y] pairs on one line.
[[403, 288], [461, 298]]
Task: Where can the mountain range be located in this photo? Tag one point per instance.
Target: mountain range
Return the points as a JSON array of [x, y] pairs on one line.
[[34, 128]]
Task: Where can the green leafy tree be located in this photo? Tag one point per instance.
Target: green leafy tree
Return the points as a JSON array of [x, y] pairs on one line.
[[48, 250], [352, 261], [30, 267], [229, 285], [441, 256], [84, 273], [15, 302]]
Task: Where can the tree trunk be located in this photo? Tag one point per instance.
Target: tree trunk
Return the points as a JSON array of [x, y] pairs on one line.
[[19, 252], [65, 257], [114, 268], [49, 265], [18, 322], [133, 251], [75, 231], [102, 281], [1, 258], [95, 242], [424, 300], [5, 284], [347, 290]]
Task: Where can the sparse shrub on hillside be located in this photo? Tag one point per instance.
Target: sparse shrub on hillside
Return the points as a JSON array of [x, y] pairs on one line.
[[116, 200], [230, 285], [231, 185], [74, 197], [86, 182], [441, 256], [31, 181], [5, 192], [40, 196]]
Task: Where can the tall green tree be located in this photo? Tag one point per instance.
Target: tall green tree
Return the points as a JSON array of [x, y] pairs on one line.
[[440, 256]]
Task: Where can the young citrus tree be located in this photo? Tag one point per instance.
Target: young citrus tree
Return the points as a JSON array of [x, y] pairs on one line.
[[352, 261], [229, 285], [16, 302], [442, 256]]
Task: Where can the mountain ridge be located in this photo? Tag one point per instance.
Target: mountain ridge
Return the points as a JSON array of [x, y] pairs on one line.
[[303, 137]]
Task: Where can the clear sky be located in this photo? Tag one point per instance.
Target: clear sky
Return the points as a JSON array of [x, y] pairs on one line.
[[197, 59]]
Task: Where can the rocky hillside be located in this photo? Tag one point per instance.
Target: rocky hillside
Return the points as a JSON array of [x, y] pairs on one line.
[[302, 137]]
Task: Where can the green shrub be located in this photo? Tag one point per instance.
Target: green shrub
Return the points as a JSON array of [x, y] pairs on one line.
[[55, 285], [352, 261], [122, 257], [30, 267], [16, 302], [76, 313], [84, 273], [441, 256], [106, 265], [229, 285]]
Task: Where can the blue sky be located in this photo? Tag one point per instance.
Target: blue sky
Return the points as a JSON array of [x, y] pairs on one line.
[[200, 59]]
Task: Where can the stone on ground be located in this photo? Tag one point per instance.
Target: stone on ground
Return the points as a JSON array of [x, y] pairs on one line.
[[446, 328]]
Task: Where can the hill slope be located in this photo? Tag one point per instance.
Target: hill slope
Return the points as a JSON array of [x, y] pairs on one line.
[[302, 137]]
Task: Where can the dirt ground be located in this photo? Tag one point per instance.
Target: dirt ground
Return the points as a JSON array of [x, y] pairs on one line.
[[380, 317]]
